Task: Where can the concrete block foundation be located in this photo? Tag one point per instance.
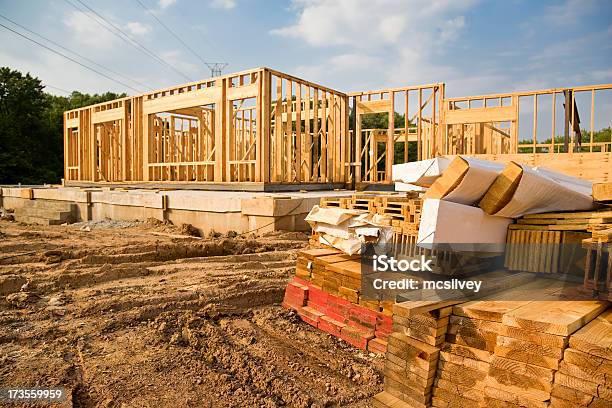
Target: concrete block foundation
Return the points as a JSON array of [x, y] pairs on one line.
[[219, 211]]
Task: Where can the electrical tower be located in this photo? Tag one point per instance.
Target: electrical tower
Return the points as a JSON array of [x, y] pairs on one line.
[[216, 68]]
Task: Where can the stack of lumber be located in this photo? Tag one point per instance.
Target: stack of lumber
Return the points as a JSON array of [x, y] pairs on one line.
[[520, 189], [305, 259], [331, 270], [466, 355], [550, 242], [412, 354], [602, 235], [565, 221], [500, 353], [584, 378], [531, 345], [326, 294]]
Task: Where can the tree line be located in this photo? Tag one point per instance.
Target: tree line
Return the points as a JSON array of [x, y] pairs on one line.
[[32, 127]]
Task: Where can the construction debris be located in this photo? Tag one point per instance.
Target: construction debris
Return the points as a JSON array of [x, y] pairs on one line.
[[347, 230]]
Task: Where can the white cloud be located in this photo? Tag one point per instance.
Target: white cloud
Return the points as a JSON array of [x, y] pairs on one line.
[[166, 3], [87, 32], [175, 58], [137, 28], [369, 23], [451, 30], [400, 40], [571, 11], [223, 4]]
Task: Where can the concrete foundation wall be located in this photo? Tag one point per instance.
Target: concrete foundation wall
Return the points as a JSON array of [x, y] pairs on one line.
[[219, 211]]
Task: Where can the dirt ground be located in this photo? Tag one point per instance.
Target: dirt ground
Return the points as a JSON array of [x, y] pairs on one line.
[[138, 315]]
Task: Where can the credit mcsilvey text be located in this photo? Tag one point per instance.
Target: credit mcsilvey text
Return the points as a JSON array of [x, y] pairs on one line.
[[384, 263], [413, 284]]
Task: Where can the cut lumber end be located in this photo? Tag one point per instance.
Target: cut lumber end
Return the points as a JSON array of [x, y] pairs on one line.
[[602, 192], [501, 191], [450, 179]]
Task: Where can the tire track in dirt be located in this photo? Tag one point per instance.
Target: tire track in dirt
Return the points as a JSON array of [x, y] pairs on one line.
[[133, 318]]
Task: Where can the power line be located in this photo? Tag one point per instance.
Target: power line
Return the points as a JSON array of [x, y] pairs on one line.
[[76, 53], [215, 67], [69, 58], [55, 87], [125, 37]]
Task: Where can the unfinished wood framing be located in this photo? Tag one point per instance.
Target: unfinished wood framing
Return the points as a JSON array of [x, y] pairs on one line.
[[375, 148], [489, 124], [258, 126], [263, 126]]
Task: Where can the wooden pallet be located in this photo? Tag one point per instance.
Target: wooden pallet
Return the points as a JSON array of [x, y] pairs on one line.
[[334, 202]]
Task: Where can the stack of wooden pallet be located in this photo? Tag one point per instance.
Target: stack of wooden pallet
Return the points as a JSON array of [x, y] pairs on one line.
[[584, 378], [338, 202]]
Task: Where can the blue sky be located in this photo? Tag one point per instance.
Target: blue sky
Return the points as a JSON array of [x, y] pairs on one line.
[[474, 46]]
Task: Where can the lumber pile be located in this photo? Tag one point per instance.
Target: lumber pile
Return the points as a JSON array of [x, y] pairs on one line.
[[499, 353], [325, 292], [465, 357], [584, 378], [507, 353], [550, 242], [520, 190], [412, 355]]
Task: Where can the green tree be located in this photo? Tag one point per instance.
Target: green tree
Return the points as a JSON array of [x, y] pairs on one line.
[[23, 137], [32, 128]]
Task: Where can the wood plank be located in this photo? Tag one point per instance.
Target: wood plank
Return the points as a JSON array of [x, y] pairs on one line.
[[602, 191], [480, 115], [501, 191], [596, 337], [554, 317], [377, 106]]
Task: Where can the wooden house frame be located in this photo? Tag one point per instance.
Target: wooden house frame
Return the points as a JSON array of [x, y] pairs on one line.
[[263, 129], [419, 127], [255, 126]]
